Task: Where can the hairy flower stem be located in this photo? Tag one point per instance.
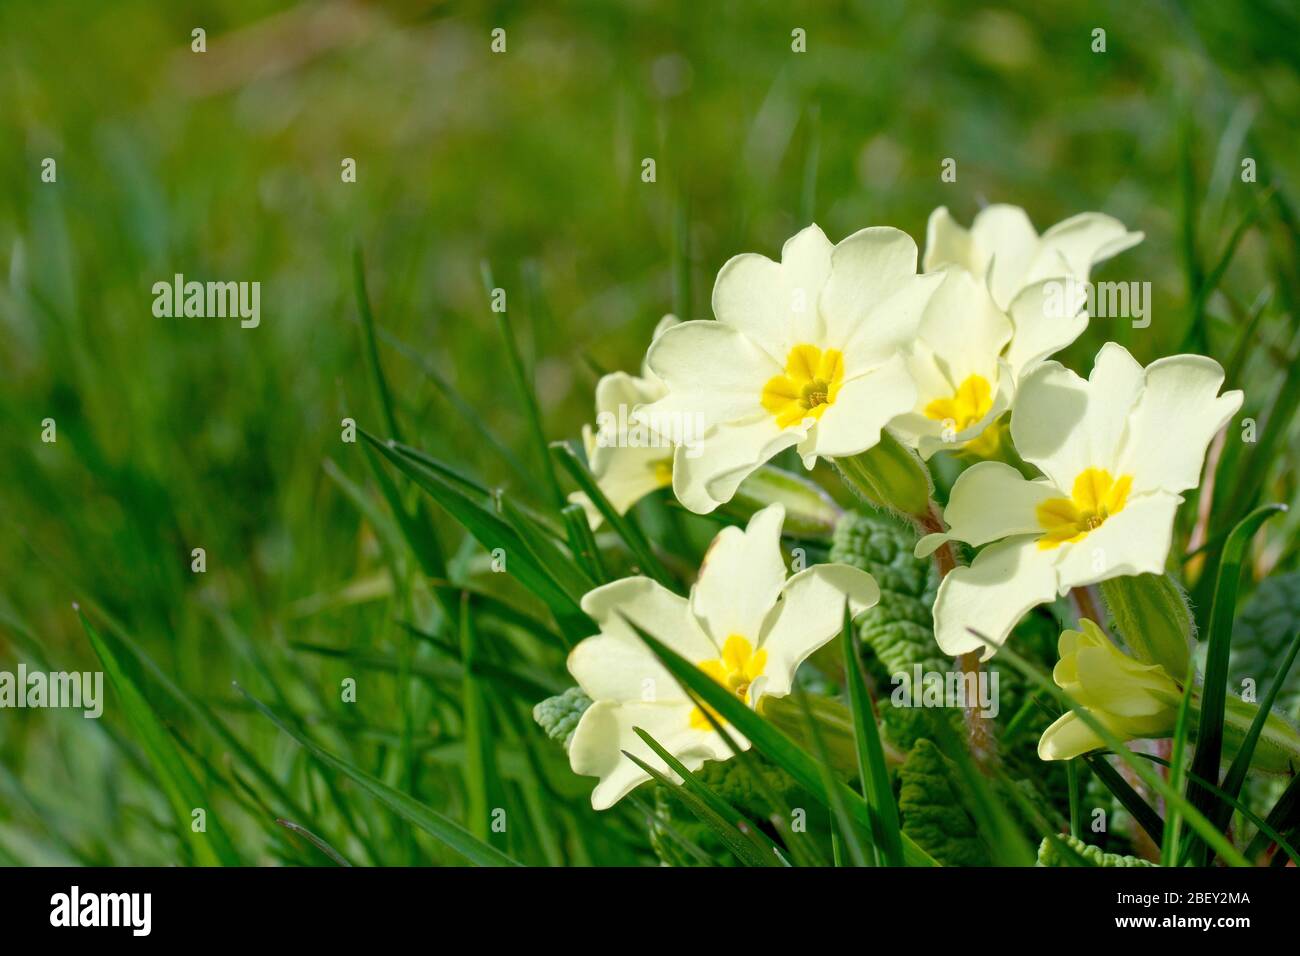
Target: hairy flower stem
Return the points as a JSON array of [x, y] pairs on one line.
[[1087, 606], [893, 477], [979, 729]]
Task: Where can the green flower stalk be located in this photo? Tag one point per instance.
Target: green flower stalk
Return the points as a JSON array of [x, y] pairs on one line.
[[890, 476], [1278, 749], [809, 511]]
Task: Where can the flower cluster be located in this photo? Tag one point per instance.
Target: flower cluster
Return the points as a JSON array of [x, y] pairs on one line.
[[847, 352]]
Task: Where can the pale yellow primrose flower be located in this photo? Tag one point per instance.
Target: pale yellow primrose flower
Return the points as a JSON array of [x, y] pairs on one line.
[[1036, 280], [745, 624], [963, 384], [806, 351], [1003, 248], [1116, 452], [1128, 698], [629, 460]]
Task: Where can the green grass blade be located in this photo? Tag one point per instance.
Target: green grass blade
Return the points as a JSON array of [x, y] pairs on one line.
[[546, 550], [1129, 799], [623, 525], [742, 825], [1209, 725], [447, 832], [732, 838], [1283, 818], [315, 841], [1205, 288], [844, 832], [464, 410], [1072, 783], [775, 745], [482, 781], [174, 778], [1171, 847], [493, 533], [1236, 775], [1234, 803], [871, 755], [377, 380], [527, 395], [582, 543]]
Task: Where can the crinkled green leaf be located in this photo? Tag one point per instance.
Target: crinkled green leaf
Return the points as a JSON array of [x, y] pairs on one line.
[[1050, 855]]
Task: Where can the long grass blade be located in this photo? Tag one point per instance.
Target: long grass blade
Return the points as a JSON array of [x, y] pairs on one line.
[[1209, 728], [183, 792], [447, 832], [872, 772]]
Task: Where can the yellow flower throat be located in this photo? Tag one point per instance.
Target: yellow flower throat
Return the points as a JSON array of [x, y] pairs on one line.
[[811, 380], [1095, 497], [738, 668], [968, 405]]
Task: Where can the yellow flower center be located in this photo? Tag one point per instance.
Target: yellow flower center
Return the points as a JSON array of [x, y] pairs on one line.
[[738, 668], [1095, 497], [811, 381], [969, 405], [663, 471]]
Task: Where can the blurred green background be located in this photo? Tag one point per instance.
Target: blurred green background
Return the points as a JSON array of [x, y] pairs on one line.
[[182, 433]]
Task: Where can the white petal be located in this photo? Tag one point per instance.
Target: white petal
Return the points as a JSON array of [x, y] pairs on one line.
[[623, 453], [1081, 242], [775, 304], [1047, 317], [606, 729], [654, 609], [964, 328], [1174, 422], [626, 475], [862, 408], [619, 390], [867, 268], [810, 613], [1134, 541], [1065, 425], [708, 474], [741, 577], [948, 243], [617, 668], [1005, 243], [711, 371], [889, 327], [667, 322], [992, 500], [1005, 580]]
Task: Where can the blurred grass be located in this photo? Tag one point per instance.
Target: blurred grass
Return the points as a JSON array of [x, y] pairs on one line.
[[176, 434]]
